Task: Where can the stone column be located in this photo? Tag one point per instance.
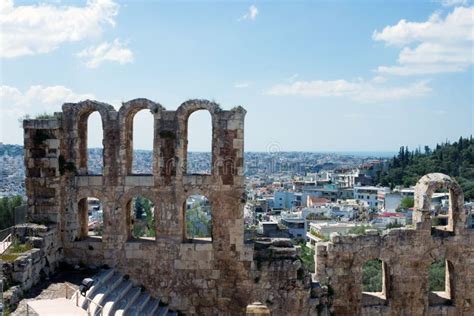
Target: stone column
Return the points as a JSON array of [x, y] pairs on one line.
[[43, 169]]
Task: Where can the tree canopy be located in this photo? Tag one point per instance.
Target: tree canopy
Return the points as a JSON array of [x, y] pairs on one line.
[[7, 209], [454, 159]]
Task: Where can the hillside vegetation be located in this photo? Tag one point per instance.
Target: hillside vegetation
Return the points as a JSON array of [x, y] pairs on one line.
[[7, 210], [454, 159]]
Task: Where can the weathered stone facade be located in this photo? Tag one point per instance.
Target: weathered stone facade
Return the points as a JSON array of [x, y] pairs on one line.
[[21, 274], [205, 277], [224, 275], [406, 255]]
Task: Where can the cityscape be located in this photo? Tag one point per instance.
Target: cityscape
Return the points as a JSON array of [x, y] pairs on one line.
[[258, 165], [237, 158], [299, 195]]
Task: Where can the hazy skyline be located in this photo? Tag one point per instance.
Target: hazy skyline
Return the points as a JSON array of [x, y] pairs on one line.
[[313, 76]]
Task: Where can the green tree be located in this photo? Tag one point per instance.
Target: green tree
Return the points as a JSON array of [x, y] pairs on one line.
[[407, 202], [437, 275], [307, 257], [456, 160], [7, 210], [393, 225], [197, 222], [144, 220], [372, 276]]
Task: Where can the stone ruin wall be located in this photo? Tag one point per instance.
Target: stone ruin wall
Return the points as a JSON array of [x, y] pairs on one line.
[[218, 277], [29, 268], [406, 255], [225, 275]]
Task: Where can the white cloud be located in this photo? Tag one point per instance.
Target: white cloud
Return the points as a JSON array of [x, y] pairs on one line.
[[360, 90], [36, 29], [379, 79], [241, 85], [450, 3], [292, 78], [251, 13], [35, 100], [439, 45], [115, 51]]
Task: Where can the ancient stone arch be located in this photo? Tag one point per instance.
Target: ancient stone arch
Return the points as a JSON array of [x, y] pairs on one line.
[[79, 114], [424, 190], [125, 205], [126, 115], [408, 253], [222, 277], [84, 192], [183, 113]]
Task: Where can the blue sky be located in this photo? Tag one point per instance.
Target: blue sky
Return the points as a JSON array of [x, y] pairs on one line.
[[313, 76]]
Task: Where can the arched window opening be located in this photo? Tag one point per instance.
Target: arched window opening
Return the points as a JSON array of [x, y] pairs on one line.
[[439, 210], [142, 142], [198, 225], [439, 278], [91, 218], [374, 282], [94, 144], [141, 218], [199, 147]]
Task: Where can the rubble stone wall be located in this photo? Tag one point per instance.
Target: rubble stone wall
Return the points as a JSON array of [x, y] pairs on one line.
[[407, 254], [30, 267]]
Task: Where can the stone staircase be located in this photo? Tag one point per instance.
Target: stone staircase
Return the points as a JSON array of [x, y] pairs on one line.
[[114, 294]]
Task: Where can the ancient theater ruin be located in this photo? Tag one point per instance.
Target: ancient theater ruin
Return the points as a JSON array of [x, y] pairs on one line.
[[221, 275]]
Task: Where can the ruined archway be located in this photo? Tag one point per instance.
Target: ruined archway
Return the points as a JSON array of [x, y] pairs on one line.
[[424, 189], [126, 119], [182, 115]]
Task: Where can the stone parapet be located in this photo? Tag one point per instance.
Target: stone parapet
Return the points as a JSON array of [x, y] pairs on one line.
[[406, 255]]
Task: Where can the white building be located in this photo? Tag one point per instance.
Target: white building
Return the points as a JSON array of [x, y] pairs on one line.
[[373, 196], [386, 218], [296, 226], [325, 229]]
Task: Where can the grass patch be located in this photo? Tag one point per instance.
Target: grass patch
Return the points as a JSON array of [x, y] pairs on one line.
[[44, 116], [15, 250], [19, 248], [9, 257], [318, 235]]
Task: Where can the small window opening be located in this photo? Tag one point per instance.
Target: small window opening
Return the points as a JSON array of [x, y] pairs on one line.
[[198, 218], [91, 218], [199, 147], [141, 218]]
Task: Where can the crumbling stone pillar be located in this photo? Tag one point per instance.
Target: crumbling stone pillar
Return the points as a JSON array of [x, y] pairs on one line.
[[43, 166]]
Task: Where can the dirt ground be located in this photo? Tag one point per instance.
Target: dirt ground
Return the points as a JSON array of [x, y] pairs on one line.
[[55, 287]]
